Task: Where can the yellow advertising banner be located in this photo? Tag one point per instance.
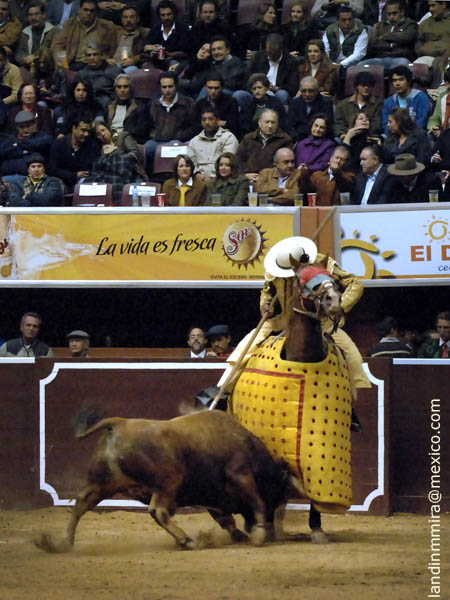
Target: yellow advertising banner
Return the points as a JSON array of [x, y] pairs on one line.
[[156, 246]]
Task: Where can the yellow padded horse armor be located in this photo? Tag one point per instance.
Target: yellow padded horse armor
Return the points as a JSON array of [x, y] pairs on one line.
[[302, 412]]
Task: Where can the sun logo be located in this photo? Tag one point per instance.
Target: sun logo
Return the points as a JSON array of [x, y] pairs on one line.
[[243, 243], [437, 229], [371, 271]]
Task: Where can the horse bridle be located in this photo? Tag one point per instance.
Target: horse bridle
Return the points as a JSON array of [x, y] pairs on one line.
[[315, 296]]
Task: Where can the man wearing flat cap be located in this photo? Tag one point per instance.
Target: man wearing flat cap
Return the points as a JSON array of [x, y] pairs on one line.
[[411, 180], [16, 148], [78, 343], [37, 188], [219, 338]]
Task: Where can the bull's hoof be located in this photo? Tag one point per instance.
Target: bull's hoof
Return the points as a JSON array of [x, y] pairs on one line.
[[186, 544], [44, 542], [258, 535], [319, 537], [239, 536]]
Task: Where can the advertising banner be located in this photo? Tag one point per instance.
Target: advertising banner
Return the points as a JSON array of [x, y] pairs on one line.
[[162, 245], [396, 244]]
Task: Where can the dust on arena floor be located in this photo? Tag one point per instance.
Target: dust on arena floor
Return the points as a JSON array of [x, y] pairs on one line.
[[125, 555]]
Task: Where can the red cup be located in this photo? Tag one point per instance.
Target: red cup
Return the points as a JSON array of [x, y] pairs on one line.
[[160, 199], [161, 54], [312, 199]]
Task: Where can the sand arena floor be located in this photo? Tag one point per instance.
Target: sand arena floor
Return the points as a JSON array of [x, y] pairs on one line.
[[124, 555]]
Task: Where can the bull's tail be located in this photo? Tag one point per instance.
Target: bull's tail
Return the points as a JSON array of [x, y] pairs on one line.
[[103, 424], [89, 420]]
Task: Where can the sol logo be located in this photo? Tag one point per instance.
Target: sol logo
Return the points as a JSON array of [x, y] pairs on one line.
[[437, 229], [243, 242]]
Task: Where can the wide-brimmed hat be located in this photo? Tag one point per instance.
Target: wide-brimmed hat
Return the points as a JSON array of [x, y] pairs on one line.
[[277, 262], [406, 164]]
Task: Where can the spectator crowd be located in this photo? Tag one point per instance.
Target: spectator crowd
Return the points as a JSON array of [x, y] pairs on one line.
[[348, 99]]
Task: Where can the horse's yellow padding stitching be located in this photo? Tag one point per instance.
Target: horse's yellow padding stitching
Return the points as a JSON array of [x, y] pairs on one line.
[[302, 412]]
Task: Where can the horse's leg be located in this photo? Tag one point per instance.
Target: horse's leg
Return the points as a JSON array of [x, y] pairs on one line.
[[315, 523]]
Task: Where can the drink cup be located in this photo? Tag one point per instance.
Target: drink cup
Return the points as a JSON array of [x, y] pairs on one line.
[[61, 59], [160, 199], [433, 195], [298, 199], [145, 200], [216, 199], [312, 199], [263, 199], [253, 199], [345, 198], [161, 53]]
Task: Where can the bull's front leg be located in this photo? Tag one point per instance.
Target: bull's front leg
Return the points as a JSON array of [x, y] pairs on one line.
[[159, 510]]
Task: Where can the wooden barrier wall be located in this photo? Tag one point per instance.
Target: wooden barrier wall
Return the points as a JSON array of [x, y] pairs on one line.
[[42, 464]]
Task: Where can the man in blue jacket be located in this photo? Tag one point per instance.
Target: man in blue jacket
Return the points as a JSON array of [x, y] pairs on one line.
[[417, 102]]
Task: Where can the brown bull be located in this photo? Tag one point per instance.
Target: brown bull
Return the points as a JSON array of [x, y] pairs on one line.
[[202, 459]]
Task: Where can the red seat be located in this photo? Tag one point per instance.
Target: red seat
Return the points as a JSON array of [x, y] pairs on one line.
[[376, 70], [145, 82], [165, 157], [127, 198], [92, 194]]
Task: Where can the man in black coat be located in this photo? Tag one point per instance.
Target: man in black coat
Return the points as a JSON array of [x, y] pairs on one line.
[[226, 106], [208, 25], [411, 179], [304, 107], [215, 56], [280, 67], [439, 347], [72, 156], [374, 185], [168, 33]]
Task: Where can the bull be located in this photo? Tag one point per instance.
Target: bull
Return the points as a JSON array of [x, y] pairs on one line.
[[201, 459]]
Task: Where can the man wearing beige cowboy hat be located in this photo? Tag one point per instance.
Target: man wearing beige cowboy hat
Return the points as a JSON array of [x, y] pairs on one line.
[[411, 180], [279, 281]]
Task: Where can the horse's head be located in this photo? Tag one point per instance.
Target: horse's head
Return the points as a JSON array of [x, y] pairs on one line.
[[317, 293]]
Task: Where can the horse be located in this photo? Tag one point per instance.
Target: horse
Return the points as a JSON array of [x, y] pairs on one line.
[[305, 419]]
